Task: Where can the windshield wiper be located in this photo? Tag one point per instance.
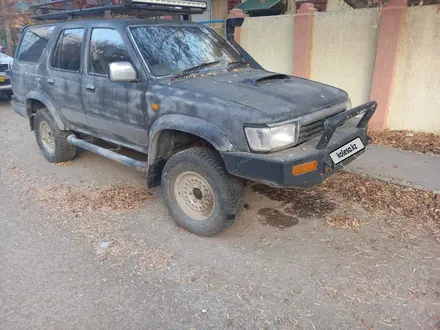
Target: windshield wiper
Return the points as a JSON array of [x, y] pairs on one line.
[[240, 62], [194, 69]]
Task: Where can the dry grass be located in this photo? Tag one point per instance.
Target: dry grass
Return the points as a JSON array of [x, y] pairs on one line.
[[377, 196], [155, 259], [78, 201], [107, 233], [407, 140], [343, 221], [398, 206], [148, 258]]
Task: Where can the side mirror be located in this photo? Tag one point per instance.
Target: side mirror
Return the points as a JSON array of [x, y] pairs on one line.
[[231, 24], [122, 72]]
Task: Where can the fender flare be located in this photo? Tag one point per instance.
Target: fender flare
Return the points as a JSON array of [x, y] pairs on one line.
[[187, 124], [43, 98]]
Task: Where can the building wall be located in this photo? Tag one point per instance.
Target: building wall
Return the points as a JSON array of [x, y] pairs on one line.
[[219, 9], [415, 99], [270, 41], [343, 51]]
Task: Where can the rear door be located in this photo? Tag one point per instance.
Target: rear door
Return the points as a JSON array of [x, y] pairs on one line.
[[115, 110], [26, 70], [62, 80]]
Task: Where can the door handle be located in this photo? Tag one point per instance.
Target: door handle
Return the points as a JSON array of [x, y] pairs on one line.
[[50, 81], [90, 87]]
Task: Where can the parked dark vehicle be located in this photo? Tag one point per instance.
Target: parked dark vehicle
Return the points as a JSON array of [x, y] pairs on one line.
[[5, 80], [204, 111]]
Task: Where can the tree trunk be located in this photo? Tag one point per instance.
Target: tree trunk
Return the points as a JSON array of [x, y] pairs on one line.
[[9, 46], [291, 7], [6, 14]]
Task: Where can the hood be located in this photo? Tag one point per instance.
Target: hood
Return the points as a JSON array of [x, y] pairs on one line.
[[5, 58], [279, 96]]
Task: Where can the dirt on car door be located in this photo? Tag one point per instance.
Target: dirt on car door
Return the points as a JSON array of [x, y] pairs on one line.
[[115, 110]]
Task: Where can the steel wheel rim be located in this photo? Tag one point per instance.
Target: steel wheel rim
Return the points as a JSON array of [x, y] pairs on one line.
[[46, 137], [194, 195]]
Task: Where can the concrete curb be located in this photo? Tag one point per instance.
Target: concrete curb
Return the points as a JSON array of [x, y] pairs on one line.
[[401, 167]]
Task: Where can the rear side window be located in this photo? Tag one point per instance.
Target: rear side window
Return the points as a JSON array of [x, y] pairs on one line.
[[34, 42], [67, 52], [106, 46]]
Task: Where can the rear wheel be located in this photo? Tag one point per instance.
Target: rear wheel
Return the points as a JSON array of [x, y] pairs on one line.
[[51, 140], [200, 194]]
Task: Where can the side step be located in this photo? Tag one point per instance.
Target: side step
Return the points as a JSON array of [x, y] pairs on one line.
[[140, 166]]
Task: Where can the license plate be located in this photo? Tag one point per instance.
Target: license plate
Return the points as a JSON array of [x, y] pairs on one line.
[[2, 78], [347, 150]]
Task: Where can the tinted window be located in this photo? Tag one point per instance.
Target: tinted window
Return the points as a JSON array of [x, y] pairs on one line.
[[34, 42], [106, 46], [171, 49], [67, 53]]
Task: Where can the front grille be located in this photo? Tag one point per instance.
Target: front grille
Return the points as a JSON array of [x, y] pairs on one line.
[[313, 129], [309, 131], [3, 67]]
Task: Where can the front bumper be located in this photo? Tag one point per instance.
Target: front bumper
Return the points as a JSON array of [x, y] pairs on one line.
[[275, 169]]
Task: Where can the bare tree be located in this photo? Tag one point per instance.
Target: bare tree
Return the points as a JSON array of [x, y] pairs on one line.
[[13, 18]]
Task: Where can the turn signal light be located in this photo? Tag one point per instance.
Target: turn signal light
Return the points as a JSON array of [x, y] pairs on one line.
[[305, 168]]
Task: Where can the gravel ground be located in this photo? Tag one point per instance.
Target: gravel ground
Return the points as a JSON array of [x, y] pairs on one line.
[[84, 245]]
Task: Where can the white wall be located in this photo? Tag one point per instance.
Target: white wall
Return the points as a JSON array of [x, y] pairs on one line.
[[415, 100], [270, 41], [344, 51]]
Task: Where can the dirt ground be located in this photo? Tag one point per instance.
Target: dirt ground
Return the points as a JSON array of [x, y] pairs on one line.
[[427, 143], [84, 245]]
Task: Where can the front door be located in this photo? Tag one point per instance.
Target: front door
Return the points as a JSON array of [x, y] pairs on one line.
[[115, 110], [62, 79]]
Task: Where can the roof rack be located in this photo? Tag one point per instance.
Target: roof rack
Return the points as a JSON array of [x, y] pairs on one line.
[[69, 9]]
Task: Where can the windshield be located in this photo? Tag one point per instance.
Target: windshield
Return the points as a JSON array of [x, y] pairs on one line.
[[169, 50]]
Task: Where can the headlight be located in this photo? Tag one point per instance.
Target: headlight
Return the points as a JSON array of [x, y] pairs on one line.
[[271, 138]]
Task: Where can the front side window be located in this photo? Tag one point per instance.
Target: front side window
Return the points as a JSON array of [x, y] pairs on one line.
[[169, 50], [67, 52], [34, 42], [106, 46]]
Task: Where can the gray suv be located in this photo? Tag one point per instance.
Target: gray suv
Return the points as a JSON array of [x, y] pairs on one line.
[[202, 109]]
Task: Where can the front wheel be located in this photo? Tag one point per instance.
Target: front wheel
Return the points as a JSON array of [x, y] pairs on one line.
[[200, 194]]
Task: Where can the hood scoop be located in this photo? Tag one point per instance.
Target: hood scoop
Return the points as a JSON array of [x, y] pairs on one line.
[[258, 81]]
